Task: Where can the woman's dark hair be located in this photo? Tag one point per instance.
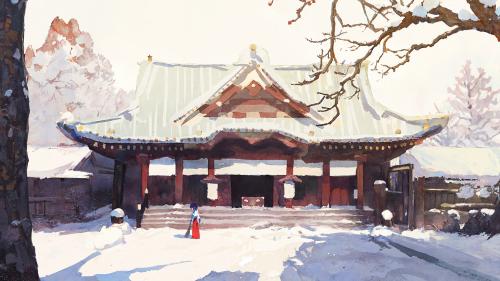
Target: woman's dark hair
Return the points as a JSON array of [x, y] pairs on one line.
[[193, 206]]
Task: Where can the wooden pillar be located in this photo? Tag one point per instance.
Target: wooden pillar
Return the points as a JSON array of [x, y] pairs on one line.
[[179, 181], [211, 175], [289, 166], [118, 180], [360, 183], [143, 161], [325, 184], [411, 203], [211, 168], [277, 185], [419, 203], [289, 173]]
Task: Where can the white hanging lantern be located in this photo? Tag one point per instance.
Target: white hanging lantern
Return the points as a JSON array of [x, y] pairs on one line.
[[212, 191], [289, 186]]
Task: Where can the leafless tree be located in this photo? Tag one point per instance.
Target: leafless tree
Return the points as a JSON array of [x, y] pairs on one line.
[[380, 21]]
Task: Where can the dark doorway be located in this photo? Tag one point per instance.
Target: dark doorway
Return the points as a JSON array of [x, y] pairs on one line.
[[251, 186]]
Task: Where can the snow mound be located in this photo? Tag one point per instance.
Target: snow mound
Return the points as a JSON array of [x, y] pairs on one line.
[[311, 207], [454, 213], [473, 212], [465, 192], [488, 212], [381, 231], [484, 192], [111, 236], [387, 215], [418, 234], [261, 225], [435, 211]]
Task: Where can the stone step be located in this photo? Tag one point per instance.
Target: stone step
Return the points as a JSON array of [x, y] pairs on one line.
[[226, 217], [244, 216], [250, 218], [266, 211], [204, 226]]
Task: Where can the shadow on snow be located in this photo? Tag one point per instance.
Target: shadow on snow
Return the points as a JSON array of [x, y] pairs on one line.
[[230, 276], [350, 256], [72, 273]]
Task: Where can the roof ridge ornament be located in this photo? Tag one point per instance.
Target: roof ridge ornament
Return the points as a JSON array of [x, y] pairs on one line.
[[254, 55]]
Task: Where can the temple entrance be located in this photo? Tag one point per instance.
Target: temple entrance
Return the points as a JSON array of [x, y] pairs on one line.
[[251, 186]]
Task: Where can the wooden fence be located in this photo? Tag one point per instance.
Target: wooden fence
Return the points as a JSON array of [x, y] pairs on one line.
[[440, 198]]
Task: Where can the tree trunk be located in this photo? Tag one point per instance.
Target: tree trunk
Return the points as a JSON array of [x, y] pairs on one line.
[[17, 254]]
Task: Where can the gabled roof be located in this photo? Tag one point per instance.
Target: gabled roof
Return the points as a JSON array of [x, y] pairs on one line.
[[248, 75], [169, 93]]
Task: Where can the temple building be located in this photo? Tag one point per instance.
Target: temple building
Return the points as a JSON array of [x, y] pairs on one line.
[[213, 134]]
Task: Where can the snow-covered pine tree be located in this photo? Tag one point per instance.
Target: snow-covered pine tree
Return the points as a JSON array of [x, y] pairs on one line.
[[67, 79], [474, 111]]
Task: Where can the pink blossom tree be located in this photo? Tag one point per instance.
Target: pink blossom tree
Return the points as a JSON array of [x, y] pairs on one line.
[[475, 111]]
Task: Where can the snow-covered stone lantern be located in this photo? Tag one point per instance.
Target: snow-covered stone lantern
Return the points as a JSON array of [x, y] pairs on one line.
[[117, 216]]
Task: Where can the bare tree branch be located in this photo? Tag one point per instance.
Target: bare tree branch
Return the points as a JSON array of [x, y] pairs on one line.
[[381, 21]]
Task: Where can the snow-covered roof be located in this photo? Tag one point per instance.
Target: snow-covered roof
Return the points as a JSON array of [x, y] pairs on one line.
[[461, 162], [56, 162], [166, 93], [166, 167]]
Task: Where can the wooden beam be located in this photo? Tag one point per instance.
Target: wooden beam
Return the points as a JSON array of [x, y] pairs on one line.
[[179, 182], [143, 161], [360, 171], [325, 184], [281, 95], [118, 180], [225, 96]]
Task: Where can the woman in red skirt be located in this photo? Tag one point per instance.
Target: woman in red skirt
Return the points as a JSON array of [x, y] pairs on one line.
[[195, 221]]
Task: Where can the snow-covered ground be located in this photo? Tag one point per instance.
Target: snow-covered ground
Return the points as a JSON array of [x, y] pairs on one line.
[[87, 251]]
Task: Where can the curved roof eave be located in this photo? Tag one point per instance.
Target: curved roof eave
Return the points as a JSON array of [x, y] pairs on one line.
[[71, 131]]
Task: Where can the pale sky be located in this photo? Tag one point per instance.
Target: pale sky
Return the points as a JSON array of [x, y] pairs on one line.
[[216, 31]]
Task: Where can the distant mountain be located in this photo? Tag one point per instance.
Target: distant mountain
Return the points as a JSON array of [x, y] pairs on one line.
[[66, 80]]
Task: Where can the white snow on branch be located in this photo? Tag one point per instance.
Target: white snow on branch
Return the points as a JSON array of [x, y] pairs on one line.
[[431, 4], [466, 15], [489, 3], [420, 11]]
